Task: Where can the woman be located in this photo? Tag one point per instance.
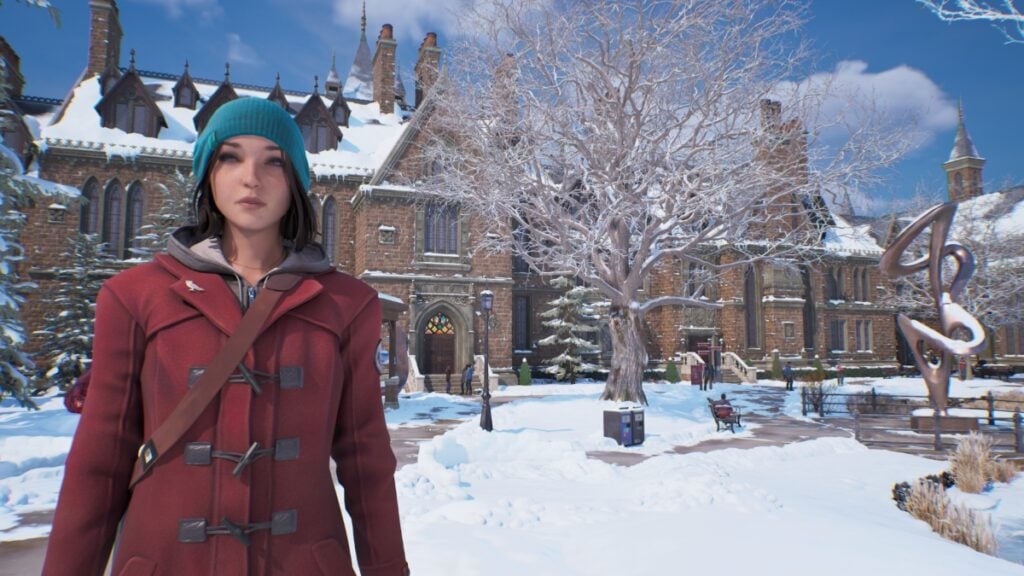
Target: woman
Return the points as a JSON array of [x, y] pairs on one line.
[[247, 488]]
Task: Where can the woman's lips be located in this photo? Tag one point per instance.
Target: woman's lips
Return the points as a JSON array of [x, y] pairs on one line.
[[251, 202]]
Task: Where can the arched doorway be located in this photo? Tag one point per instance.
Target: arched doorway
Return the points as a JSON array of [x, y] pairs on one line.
[[438, 354]]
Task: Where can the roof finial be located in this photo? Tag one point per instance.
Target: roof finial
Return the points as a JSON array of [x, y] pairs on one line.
[[960, 110], [227, 72], [316, 85], [363, 24], [333, 68], [277, 80], [186, 65], [131, 65]]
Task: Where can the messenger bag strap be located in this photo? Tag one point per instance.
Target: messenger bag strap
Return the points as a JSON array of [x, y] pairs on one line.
[[213, 377]]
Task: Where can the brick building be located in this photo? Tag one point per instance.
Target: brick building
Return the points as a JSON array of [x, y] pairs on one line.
[[124, 133]]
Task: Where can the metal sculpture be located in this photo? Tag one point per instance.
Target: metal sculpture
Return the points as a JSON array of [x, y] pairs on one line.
[[935, 369]]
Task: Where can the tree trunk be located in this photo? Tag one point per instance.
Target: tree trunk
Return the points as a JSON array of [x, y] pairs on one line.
[[629, 358]]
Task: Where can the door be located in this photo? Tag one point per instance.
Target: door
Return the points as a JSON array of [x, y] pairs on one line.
[[438, 345]]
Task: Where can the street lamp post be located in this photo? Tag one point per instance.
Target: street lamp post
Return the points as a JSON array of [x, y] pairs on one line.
[[486, 301]]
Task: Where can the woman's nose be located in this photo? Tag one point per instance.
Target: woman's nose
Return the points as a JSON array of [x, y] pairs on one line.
[[250, 173]]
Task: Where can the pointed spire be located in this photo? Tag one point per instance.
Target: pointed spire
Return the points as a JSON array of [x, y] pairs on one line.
[[359, 83], [963, 147], [227, 72], [277, 94]]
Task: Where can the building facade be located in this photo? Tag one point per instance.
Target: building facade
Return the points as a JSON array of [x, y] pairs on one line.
[[124, 136]]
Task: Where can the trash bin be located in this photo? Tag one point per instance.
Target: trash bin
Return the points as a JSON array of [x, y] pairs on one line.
[[625, 425]]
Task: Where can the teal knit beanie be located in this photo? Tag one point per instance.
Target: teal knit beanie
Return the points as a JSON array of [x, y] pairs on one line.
[[251, 117]]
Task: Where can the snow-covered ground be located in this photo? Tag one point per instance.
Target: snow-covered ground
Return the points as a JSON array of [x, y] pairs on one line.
[[526, 499]]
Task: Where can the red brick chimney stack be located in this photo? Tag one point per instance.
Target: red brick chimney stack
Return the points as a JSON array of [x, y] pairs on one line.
[[427, 66], [104, 37], [12, 72], [384, 70]]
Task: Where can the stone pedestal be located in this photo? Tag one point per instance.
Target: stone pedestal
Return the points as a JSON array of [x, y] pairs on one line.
[[947, 424]]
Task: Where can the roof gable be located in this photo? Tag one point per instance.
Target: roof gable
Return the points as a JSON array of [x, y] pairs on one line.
[[131, 91], [225, 93]]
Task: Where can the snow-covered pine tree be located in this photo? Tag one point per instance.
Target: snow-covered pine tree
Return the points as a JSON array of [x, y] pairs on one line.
[[15, 364], [66, 339], [174, 212], [568, 318]]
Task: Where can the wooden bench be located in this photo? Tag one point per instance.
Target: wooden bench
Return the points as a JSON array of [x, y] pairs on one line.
[[722, 422]]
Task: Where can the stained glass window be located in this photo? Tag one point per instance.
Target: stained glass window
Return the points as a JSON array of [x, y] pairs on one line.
[[439, 324]]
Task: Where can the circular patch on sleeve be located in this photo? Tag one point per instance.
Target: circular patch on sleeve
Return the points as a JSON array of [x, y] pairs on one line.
[[380, 357]]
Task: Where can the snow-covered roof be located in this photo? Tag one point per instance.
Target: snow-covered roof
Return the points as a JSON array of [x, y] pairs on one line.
[[359, 83], [1003, 209], [846, 239], [365, 145]]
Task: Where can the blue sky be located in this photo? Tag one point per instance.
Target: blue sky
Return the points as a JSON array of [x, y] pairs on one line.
[[892, 47]]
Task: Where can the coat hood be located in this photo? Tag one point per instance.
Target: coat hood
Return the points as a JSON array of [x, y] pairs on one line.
[[204, 255]]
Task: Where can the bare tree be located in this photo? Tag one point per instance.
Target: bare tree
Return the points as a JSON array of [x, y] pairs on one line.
[[1004, 15], [602, 139]]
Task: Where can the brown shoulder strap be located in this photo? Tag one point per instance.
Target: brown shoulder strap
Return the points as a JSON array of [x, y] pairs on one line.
[[214, 376]]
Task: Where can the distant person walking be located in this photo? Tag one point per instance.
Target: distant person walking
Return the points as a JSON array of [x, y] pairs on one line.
[[840, 373], [467, 380], [787, 375], [448, 380]]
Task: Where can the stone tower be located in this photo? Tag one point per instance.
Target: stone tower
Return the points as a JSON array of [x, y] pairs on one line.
[[963, 170]]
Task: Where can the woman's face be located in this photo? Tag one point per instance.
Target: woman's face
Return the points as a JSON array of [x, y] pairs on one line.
[[249, 181]]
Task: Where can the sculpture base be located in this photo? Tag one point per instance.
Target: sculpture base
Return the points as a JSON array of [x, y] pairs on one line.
[[947, 424]]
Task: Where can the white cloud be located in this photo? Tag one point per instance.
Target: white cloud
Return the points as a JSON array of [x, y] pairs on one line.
[[207, 9], [412, 19], [902, 97], [241, 53]]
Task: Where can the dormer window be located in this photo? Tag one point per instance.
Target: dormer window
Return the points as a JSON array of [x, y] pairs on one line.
[[318, 137], [319, 130], [185, 93], [131, 114], [129, 107], [185, 98]]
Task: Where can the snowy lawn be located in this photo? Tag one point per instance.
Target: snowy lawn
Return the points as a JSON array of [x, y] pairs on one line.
[[526, 499]]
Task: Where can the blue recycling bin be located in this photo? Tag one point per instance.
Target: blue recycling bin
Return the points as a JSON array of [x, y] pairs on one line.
[[625, 426]]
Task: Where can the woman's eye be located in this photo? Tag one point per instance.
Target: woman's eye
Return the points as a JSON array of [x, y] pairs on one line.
[[278, 162], [227, 157]]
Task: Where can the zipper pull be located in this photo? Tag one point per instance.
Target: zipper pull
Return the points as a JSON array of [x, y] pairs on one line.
[[252, 293]]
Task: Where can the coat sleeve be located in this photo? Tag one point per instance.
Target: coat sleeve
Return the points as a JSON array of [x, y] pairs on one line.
[[94, 493], [362, 449]]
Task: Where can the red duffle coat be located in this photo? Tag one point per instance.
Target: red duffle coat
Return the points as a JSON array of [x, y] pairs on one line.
[[154, 324]]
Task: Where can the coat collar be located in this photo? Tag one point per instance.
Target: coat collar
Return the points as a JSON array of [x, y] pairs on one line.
[[209, 294]]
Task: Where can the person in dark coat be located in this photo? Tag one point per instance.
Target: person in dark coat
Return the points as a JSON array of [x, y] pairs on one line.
[[467, 380], [787, 375], [247, 489]]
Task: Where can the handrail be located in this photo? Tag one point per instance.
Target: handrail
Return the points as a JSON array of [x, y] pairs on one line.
[[747, 374]]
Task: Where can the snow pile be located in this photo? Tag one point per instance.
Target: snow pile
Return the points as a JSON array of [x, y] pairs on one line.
[[528, 499]]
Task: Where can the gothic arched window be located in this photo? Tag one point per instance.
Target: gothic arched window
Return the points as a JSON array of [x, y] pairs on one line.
[[329, 230], [751, 299], [439, 324], [112, 218], [89, 221], [133, 218]]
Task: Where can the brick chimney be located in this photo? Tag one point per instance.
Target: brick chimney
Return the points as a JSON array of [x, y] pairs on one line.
[[104, 37], [427, 66], [771, 113], [10, 69], [384, 70]]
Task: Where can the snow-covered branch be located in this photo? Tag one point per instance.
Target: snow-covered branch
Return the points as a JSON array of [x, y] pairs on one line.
[[1004, 15]]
